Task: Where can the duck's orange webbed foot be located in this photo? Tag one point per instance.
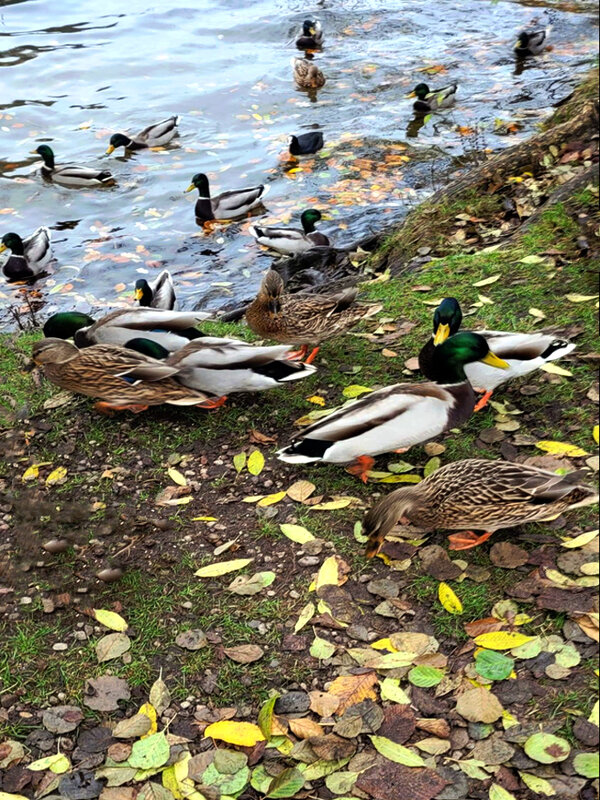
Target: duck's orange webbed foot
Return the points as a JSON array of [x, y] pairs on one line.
[[216, 402], [298, 355], [467, 539], [483, 401], [312, 356], [360, 467], [109, 408]]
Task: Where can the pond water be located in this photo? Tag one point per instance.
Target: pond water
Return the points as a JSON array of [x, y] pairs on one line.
[[75, 72]]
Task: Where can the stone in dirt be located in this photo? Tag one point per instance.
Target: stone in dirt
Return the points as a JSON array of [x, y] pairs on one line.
[[390, 781], [191, 640], [292, 703]]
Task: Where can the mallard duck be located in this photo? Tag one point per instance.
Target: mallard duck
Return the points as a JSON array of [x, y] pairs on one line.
[[155, 135], [523, 352], [307, 75], [222, 366], [159, 293], [311, 37], [171, 329], [476, 493], [306, 143], [227, 205], [29, 256], [122, 379], [291, 241], [303, 318], [431, 100], [397, 417], [71, 174], [531, 42]]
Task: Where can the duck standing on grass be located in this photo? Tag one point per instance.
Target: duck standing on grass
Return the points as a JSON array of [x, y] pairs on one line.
[[155, 135], [480, 494], [71, 174], [227, 205], [397, 417], [121, 379], [28, 257], [303, 319], [523, 352]]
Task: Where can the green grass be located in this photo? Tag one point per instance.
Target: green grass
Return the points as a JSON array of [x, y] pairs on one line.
[[477, 600]]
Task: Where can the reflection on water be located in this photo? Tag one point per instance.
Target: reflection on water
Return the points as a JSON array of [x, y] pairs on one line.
[[76, 72]]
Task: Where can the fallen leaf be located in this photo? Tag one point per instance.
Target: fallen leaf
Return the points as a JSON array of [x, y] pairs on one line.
[[305, 728], [256, 462], [177, 477], [547, 748], [112, 646], [396, 752], [487, 281], [57, 763], [244, 653], [57, 476], [424, 676], [287, 784], [301, 491], [297, 533], [222, 568], [449, 600], [105, 692], [332, 505], [580, 298], [271, 499], [151, 752], [502, 640], [306, 615], [391, 781], [355, 390], [556, 369], [497, 792], [110, 619], [321, 648], [159, 696], [537, 785], [351, 689], [561, 449], [242, 734], [479, 705], [132, 727], [250, 585], [239, 461]]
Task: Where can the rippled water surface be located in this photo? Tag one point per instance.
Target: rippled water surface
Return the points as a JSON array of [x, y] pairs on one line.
[[74, 72]]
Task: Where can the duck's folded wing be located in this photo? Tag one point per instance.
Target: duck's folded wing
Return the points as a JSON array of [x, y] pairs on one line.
[[125, 363], [163, 291], [239, 199], [525, 346], [277, 234], [158, 130], [152, 319], [37, 245], [76, 172], [213, 353]]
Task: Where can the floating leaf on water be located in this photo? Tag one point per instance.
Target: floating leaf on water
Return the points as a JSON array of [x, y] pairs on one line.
[[449, 600], [110, 619], [256, 462], [396, 752], [242, 734], [222, 568], [547, 748], [297, 533]]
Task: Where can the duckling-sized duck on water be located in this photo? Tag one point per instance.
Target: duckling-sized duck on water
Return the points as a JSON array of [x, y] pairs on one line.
[[291, 241], [171, 329], [71, 174], [28, 257], [307, 75], [159, 293], [303, 319], [523, 352], [479, 494], [311, 37], [432, 100], [227, 205], [396, 417], [222, 366], [531, 42], [156, 135], [121, 379]]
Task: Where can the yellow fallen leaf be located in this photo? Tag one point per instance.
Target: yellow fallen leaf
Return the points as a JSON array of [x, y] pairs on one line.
[[328, 574], [222, 568], [581, 540], [581, 298], [31, 473], [256, 462], [305, 617], [555, 369], [596, 434], [487, 281], [332, 505], [355, 390], [316, 399], [57, 763], [204, 519], [9, 796], [177, 477], [110, 619], [384, 644], [537, 313], [242, 734], [502, 640], [297, 533], [449, 600], [56, 476], [561, 449], [148, 710], [271, 499]]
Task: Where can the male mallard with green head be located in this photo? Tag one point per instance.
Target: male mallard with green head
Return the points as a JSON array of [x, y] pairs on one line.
[[71, 174], [156, 135], [28, 257]]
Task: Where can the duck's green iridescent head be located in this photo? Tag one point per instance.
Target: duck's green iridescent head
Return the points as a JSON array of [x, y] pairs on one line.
[[117, 140], [46, 153], [12, 242], [463, 348], [200, 182], [421, 91], [143, 292], [148, 348], [65, 324], [309, 27], [446, 320], [309, 218]]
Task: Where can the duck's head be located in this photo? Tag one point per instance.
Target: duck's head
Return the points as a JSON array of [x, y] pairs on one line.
[[200, 182], [143, 292], [65, 324], [522, 41], [455, 353], [309, 218], [52, 351], [270, 291], [148, 348], [309, 27], [12, 242], [46, 153], [421, 91], [117, 140], [447, 319]]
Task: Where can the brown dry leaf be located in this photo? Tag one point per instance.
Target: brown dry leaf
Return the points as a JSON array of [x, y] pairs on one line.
[[331, 747], [352, 689], [301, 491], [244, 653], [479, 705], [485, 625], [105, 692], [305, 728], [508, 555], [398, 723], [323, 703], [390, 781], [438, 727]]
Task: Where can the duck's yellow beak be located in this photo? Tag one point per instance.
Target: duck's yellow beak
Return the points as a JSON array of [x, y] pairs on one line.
[[3, 247], [517, 44], [34, 152], [493, 361], [110, 149], [412, 94], [312, 31], [138, 294], [190, 188], [442, 333], [326, 216]]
